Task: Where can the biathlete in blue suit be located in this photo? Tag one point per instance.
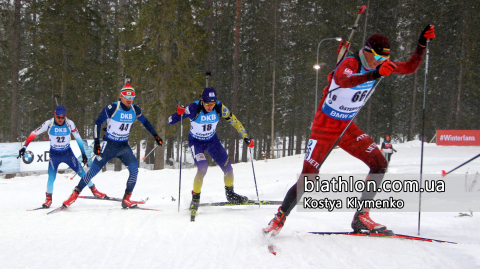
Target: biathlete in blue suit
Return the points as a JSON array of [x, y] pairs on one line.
[[204, 116], [59, 129], [120, 117]]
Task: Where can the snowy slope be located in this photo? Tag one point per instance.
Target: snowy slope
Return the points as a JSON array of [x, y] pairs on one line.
[[98, 234]]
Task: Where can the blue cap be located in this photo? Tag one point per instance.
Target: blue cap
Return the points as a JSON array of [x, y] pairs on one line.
[[60, 111], [209, 95]]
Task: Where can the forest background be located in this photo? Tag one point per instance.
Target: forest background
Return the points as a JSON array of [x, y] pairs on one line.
[[260, 53]]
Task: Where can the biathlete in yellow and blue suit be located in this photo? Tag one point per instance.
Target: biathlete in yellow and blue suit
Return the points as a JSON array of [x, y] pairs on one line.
[[204, 116]]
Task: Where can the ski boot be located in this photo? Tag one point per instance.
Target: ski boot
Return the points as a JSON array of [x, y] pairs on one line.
[[234, 198], [194, 205], [48, 201], [73, 197], [97, 194], [126, 203], [362, 221], [276, 224]]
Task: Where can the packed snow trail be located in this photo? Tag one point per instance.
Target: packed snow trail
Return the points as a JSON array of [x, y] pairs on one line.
[[99, 234]]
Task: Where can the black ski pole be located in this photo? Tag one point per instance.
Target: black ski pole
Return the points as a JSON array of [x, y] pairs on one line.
[[254, 178], [91, 158], [446, 173], [427, 53], [181, 153], [21, 142]]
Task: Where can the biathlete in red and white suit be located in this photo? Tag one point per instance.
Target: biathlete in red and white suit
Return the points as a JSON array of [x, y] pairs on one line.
[[349, 84]]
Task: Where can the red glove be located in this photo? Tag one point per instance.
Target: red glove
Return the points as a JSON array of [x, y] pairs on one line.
[[180, 110], [249, 142], [427, 33], [385, 69]]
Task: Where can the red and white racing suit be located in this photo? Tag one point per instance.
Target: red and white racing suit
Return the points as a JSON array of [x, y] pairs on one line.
[[349, 84]]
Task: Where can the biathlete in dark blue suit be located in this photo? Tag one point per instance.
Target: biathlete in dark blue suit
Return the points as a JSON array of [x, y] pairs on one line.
[[120, 117], [59, 129], [204, 116]]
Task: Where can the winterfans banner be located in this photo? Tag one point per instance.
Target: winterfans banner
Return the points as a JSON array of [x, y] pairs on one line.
[[395, 193], [36, 157], [458, 137]]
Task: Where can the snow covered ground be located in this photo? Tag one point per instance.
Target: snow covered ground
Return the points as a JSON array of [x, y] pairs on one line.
[[99, 234]]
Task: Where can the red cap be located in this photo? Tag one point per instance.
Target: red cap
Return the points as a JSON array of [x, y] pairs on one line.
[[127, 90], [379, 43]]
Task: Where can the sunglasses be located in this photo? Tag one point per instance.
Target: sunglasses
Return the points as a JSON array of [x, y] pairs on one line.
[[378, 57], [209, 104], [60, 117], [129, 97]]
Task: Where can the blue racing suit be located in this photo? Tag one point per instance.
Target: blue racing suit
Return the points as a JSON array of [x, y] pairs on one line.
[[119, 122]]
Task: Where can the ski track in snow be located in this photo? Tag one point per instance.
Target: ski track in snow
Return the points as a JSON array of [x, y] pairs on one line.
[[99, 234]]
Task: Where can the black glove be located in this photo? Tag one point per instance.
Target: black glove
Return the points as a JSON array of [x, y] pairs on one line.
[[97, 150], [84, 159], [158, 139], [249, 142], [395, 150], [427, 33], [22, 151]]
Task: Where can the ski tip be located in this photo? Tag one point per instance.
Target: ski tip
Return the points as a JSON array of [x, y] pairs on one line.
[[444, 173], [272, 250], [193, 214]]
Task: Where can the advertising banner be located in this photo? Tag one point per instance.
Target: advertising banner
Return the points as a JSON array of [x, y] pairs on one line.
[[458, 137], [36, 157], [8, 157]]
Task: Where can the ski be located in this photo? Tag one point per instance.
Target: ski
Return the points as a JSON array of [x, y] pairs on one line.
[[400, 236], [134, 207], [249, 202], [37, 208], [112, 199], [270, 238], [141, 208], [57, 210]]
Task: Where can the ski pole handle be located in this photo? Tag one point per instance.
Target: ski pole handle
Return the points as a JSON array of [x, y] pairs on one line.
[[91, 158], [156, 145]]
